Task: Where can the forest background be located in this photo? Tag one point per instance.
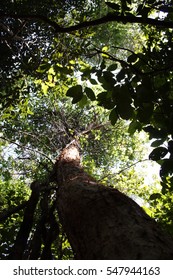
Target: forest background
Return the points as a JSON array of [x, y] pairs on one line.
[[96, 71]]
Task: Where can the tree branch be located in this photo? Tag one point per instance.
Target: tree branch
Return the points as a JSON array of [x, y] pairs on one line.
[[110, 17]]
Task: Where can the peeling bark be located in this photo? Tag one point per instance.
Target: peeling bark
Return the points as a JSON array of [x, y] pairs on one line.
[[101, 222]]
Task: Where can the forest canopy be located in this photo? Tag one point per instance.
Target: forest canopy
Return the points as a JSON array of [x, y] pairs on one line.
[[97, 71]]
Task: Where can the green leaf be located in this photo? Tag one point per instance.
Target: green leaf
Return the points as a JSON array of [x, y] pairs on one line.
[[155, 133], [125, 111], [113, 117], [44, 88], [157, 143], [166, 168], [122, 99], [93, 81], [112, 67], [43, 68], [90, 93], [132, 58], [121, 75], [134, 125], [75, 92], [144, 113], [104, 99], [113, 6], [158, 153], [83, 101], [155, 196]]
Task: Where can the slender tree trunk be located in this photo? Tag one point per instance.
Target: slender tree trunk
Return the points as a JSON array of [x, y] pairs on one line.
[[101, 222]]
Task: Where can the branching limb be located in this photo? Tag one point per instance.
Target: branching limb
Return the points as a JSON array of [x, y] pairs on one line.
[[110, 17]]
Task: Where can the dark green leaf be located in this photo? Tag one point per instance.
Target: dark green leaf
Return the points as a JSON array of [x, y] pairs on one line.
[[166, 168], [113, 117], [132, 58], [75, 92], [122, 99], [144, 113], [113, 6], [155, 196], [121, 75], [107, 80], [134, 126], [158, 153], [93, 81], [170, 147], [112, 67], [83, 101], [154, 132], [157, 143], [90, 93], [125, 111]]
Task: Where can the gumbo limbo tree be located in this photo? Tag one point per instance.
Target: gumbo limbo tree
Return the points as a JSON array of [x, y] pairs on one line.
[[51, 46]]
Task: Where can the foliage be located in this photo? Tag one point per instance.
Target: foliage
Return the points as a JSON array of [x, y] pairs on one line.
[[32, 141], [86, 53], [13, 193]]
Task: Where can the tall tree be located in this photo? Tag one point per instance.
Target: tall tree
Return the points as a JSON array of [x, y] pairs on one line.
[[101, 222], [134, 83]]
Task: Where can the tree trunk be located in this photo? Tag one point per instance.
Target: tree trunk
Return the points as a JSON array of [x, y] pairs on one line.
[[101, 222]]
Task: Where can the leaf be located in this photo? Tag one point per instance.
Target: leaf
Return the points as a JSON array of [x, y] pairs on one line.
[[125, 111], [43, 68], [105, 49], [134, 125], [44, 87], [158, 153], [122, 99], [170, 147], [113, 6], [83, 101], [132, 58], [157, 143], [112, 67], [155, 196], [121, 95], [121, 75], [104, 99], [90, 93], [113, 117], [93, 81], [166, 168], [75, 92], [144, 113], [154, 132]]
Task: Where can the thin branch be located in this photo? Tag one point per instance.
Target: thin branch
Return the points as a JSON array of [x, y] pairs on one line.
[[29, 149], [94, 127], [121, 61], [122, 170]]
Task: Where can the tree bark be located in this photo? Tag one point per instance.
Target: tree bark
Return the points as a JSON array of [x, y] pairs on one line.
[[101, 222]]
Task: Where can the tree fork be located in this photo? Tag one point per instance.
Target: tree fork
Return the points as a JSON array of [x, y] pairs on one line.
[[101, 222]]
